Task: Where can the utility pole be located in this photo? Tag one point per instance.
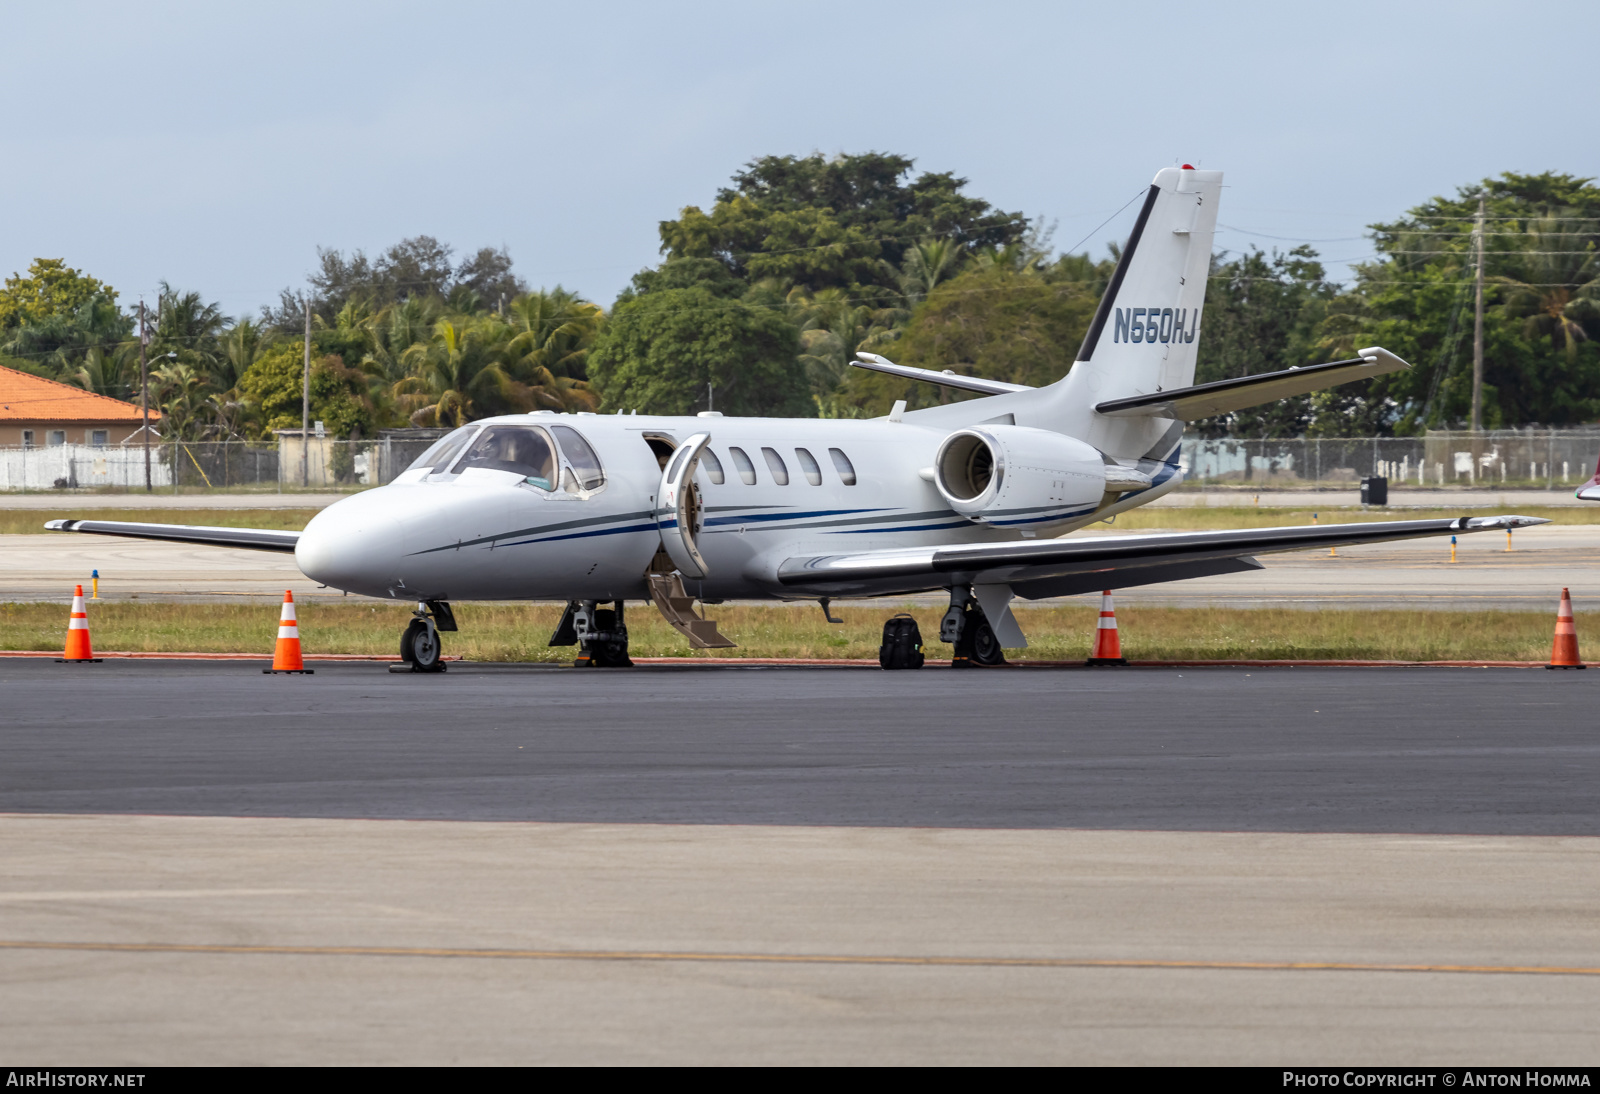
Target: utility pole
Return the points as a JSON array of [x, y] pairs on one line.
[[305, 407], [1477, 329], [144, 394]]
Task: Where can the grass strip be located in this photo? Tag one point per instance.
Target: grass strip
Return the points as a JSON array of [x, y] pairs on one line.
[[519, 631], [31, 521]]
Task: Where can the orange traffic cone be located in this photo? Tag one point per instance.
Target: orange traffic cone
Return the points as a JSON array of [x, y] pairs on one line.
[[286, 656], [78, 650], [1107, 646], [1564, 654]]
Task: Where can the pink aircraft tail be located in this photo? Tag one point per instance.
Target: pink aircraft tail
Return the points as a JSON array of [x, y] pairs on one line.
[[1590, 491]]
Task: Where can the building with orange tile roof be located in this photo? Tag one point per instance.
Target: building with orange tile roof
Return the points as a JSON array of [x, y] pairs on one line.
[[35, 412]]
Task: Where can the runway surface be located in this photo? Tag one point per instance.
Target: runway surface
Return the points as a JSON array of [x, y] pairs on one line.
[[1293, 750], [1413, 573], [506, 864]]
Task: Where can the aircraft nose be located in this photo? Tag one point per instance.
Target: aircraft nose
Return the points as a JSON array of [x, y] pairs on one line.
[[351, 547]]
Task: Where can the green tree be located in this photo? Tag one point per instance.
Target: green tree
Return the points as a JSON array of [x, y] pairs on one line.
[[57, 342], [51, 288], [1263, 314], [272, 388], [658, 352], [1541, 321], [822, 222], [994, 321]]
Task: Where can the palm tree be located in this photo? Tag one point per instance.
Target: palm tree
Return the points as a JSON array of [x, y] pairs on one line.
[[458, 374], [1559, 272], [239, 348], [925, 265], [548, 352], [191, 328], [183, 394], [832, 327], [109, 370]]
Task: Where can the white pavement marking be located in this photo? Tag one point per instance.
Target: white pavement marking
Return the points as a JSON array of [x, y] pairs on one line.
[[865, 893]]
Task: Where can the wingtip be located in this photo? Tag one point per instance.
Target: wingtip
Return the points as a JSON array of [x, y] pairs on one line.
[[58, 525], [1509, 521]]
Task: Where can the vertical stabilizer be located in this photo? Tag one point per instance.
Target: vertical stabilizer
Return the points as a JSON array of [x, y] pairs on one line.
[[1143, 339], [1145, 335]]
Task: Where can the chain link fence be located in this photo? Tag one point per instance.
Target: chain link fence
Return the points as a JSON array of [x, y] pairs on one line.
[[1551, 459], [211, 465]]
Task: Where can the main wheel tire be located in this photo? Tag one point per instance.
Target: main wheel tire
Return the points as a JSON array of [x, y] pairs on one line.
[[420, 646], [986, 648]]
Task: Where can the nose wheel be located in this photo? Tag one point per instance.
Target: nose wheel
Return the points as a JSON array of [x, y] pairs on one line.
[[420, 647]]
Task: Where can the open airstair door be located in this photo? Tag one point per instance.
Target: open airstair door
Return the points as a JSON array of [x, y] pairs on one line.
[[678, 510]]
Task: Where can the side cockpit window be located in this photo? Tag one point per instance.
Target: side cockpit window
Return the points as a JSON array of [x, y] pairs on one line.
[[582, 473], [520, 449], [438, 456]]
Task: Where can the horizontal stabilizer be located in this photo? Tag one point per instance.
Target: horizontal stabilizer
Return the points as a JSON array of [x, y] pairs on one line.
[[1225, 396], [255, 539], [947, 378]]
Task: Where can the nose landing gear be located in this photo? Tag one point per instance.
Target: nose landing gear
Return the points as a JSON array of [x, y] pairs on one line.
[[420, 648]]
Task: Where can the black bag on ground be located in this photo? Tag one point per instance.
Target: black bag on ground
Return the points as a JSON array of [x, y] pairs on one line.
[[902, 644]]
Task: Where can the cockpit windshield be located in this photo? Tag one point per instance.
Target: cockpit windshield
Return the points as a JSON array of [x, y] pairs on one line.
[[442, 451], [524, 450]]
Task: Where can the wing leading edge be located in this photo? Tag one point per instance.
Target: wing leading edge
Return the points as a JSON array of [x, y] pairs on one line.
[[1036, 568], [256, 539]]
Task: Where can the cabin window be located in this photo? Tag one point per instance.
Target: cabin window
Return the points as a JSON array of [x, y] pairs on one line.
[[582, 461], [58, 436], [747, 470], [780, 473], [808, 464], [523, 450], [842, 464], [442, 451], [713, 466], [98, 437]]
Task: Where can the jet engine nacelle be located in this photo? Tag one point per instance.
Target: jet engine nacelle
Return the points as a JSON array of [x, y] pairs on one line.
[[1010, 473]]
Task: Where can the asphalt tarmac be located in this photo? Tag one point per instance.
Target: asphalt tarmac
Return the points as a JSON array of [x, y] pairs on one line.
[[1503, 752], [200, 864]]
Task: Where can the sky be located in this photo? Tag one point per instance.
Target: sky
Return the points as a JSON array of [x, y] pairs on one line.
[[217, 146]]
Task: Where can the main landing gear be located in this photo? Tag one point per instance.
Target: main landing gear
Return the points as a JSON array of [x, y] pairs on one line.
[[420, 648], [601, 634], [966, 628]]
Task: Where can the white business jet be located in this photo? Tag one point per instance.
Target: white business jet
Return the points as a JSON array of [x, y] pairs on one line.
[[968, 497]]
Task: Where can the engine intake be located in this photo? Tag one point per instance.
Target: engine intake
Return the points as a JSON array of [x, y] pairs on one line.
[[1016, 475]]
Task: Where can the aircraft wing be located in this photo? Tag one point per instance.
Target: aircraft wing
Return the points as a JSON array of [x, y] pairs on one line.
[[1036, 568], [256, 539], [1187, 404]]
